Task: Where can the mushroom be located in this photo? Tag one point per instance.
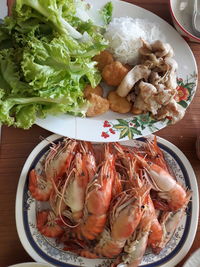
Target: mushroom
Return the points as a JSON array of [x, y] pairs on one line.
[[132, 77], [173, 65], [161, 49], [158, 48]]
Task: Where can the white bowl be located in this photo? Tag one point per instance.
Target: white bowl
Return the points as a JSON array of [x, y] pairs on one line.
[[181, 12], [31, 264]]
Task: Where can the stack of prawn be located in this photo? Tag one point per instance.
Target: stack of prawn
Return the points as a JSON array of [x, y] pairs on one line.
[[108, 201]]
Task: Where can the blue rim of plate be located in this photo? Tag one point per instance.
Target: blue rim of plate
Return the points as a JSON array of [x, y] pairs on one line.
[[51, 260]]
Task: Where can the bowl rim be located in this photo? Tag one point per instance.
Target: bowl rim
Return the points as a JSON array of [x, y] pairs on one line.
[[30, 263], [182, 28]]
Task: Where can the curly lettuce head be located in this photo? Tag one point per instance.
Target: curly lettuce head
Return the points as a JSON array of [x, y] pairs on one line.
[[46, 51]]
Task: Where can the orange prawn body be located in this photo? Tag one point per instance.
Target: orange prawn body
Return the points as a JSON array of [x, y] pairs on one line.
[[40, 188], [59, 159], [97, 202], [47, 225], [125, 216], [166, 186], [169, 221], [156, 231], [155, 154], [136, 244], [71, 194], [56, 163]]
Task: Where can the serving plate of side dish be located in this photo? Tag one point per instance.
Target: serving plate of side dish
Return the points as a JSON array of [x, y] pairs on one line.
[[47, 250], [113, 126], [55, 96]]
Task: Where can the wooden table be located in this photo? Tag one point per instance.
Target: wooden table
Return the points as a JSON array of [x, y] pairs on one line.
[[17, 144]]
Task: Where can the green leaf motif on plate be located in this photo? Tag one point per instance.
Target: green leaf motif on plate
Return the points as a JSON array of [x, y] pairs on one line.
[[130, 128]]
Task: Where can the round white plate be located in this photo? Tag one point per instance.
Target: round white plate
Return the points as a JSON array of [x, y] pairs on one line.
[[113, 126], [43, 249]]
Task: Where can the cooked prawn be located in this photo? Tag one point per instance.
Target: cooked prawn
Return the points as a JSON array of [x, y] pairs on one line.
[[39, 187], [167, 187], [71, 194], [56, 163], [156, 231], [155, 154], [169, 222], [47, 225], [98, 197], [125, 216], [136, 245]]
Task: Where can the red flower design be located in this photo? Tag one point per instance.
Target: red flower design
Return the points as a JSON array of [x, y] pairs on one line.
[[169, 118], [182, 93], [105, 135], [106, 124], [131, 124], [112, 131], [180, 79]]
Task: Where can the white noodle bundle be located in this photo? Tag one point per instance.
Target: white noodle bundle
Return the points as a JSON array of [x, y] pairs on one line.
[[124, 35]]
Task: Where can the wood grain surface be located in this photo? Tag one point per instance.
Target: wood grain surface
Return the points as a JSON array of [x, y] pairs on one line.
[[16, 145]]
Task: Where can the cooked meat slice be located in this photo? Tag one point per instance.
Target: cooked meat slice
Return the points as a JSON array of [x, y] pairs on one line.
[[173, 110], [161, 49], [133, 76]]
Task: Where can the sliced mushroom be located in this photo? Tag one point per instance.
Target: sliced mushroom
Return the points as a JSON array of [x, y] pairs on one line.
[[132, 77], [146, 49], [173, 65], [161, 49]]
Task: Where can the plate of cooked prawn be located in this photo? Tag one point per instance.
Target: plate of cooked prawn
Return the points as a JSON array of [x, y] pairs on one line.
[[113, 204]]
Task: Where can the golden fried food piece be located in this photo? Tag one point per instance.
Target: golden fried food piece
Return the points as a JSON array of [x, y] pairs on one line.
[[136, 111], [99, 105], [89, 90], [103, 59], [118, 104], [114, 73]]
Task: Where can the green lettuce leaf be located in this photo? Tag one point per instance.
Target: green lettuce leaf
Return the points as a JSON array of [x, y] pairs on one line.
[[46, 59], [107, 12]]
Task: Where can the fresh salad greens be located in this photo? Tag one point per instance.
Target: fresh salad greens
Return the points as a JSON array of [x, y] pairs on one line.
[[46, 51], [107, 12]]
